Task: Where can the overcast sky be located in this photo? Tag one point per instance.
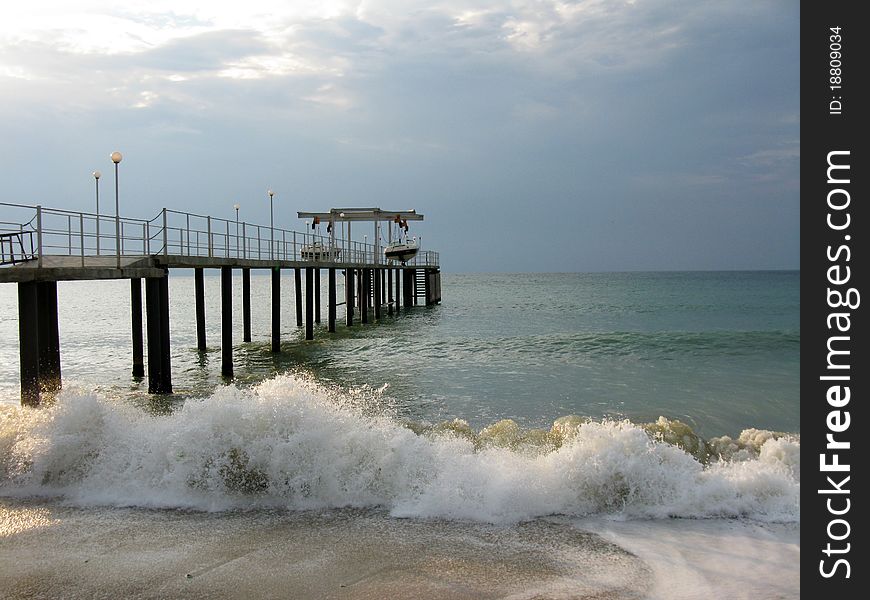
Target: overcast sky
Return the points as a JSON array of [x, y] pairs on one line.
[[534, 135]]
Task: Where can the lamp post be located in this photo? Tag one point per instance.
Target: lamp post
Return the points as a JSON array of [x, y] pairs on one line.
[[97, 175], [271, 225], [237, 207], [116, 158]]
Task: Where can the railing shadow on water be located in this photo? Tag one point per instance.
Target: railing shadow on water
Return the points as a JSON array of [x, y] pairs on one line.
[[40, 232]]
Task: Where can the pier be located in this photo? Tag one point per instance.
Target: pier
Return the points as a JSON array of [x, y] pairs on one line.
[[40, 246]]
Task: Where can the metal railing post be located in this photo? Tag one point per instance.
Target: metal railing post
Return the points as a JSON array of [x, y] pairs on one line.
[[165, 235], [244, 241], [69, 232], [188, 237], [39, 234], [208, 231], [82, 235]]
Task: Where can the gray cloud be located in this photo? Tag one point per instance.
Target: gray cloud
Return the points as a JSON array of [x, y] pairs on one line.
[[643, 127]]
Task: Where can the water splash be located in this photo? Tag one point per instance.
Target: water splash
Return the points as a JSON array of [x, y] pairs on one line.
[[289, 443]]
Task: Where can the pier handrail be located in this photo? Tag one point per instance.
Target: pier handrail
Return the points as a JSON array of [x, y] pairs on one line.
[[178, 234]]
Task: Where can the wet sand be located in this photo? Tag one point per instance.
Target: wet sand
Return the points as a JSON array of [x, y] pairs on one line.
[[50, 551]]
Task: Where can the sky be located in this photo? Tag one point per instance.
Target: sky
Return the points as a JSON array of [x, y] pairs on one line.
[[534, 135]]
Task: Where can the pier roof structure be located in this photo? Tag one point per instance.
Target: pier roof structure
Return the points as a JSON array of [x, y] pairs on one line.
[[362, 214]]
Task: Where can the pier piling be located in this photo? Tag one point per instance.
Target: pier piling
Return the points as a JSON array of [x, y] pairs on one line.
[[199, 292], [297, 281], [389, 292], [309, 303], [408, 287], [364, 296], [227, 322], [348, 295], [376, 281], [136, 322], [28, 342], [317, 295], [39, 343], [157, 309], [276, 309], [330, 315], [246, 304]]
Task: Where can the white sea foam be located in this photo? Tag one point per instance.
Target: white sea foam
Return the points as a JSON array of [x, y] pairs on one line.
[[289, 444]]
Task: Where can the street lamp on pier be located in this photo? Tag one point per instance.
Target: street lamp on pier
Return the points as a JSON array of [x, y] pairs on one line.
[[97, 175], [116, 158]]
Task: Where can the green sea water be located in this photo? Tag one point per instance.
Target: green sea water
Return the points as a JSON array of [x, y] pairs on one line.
[[719, 351]]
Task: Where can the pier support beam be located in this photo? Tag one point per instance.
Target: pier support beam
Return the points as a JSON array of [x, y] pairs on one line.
[[136, 322], [39, 343], [349, 295], [364, 295], [297, 280], [157, 308], [199, 292], [246, 304], [276, 309], [317, 295], [28, 342], [309, 303], [408, 287], [398, 288], [330, 310], [376, 282], [227, 322], [389, 292], [49, 338]]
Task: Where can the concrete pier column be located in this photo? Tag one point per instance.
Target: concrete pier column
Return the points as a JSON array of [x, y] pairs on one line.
[[199, 292], [376, 283], [297, 280], [364, 295], [157, 309], [408, 287], [349, 276], [330, 310], [276, 309], [317, 295], [246, 304], [38, 338], [359, 290], [227, 322], [49, 338], [398, 288], [389, 292], [136, 323], [309, 303], [28, 342]]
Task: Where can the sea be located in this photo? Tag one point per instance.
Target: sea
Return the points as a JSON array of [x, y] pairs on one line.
[[612, 435]]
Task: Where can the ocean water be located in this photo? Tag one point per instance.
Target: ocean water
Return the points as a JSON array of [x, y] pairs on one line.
[[591, 398]]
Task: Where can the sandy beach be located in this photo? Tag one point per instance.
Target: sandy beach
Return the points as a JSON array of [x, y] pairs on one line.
[[50, 551]]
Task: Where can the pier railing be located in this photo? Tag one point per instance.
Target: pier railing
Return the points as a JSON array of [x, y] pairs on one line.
[[39, 232]]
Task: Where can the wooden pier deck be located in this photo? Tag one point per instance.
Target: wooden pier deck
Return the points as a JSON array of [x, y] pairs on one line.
[[40, 246]]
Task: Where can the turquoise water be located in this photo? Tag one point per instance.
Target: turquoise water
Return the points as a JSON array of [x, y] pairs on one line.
[[719, 351]]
